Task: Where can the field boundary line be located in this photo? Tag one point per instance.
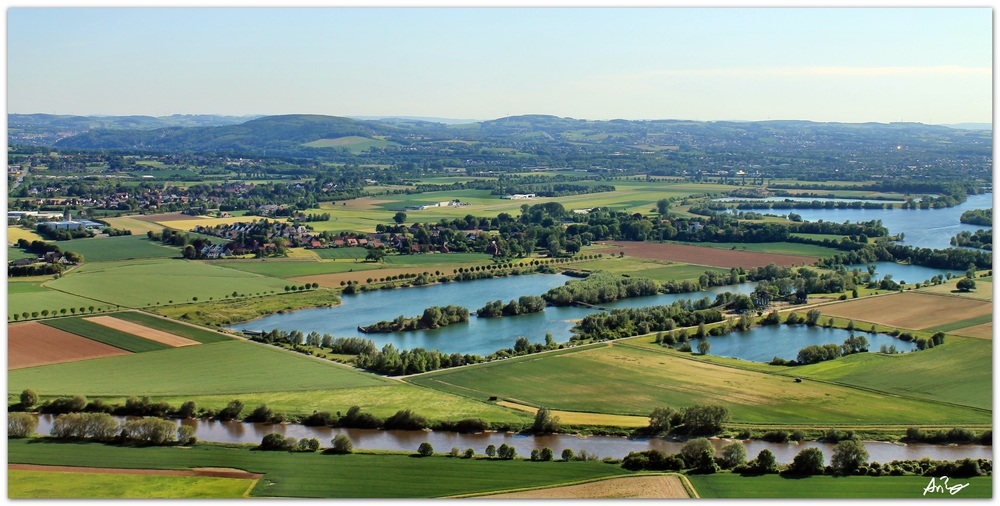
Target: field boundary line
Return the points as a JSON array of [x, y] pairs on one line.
[[693, 492], [572, 349]]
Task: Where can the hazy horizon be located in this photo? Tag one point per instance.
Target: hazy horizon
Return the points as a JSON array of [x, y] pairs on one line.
[[850, 65]]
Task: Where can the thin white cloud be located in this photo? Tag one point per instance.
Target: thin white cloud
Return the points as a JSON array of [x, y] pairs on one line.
[[940, 70]]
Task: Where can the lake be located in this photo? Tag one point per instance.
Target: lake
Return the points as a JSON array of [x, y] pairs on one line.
[[904, 272], [925, 228], [761, 344], [480, 336], [603, 446]]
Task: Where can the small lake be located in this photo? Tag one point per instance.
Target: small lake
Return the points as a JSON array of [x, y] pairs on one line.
[[804, 199], [761, 344], [480, 336], [603, 446], [904, 272], [924, 228]]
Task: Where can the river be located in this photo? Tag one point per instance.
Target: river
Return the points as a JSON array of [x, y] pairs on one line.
[[603, 446]]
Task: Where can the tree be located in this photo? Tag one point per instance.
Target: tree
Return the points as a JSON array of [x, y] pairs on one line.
[[807, 463], [491, 451], [704, 346], [185, 435], [663, 206], [764, 463], [848, 456], [705, 418], [399, 218], [812, 317], [425, 449], [545, 422], [21, 424], [375, 255], [342, 444], [567, 454], [966, 285], [506, 452], [662, 419], [28, 398], [231, 411], [733, 454], [693, 451], [546, 454], [275, 442]]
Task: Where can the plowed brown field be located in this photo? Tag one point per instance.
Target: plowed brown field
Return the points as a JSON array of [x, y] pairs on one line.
[[633, 487], [33, 344], [910, 310], [984, 331], [699, 255]]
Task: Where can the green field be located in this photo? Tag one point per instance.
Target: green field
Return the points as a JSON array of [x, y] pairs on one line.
[[128, 247], [317, 475], [354, 143], [18, 254], [786, 248], [948, 327], [178, 329], [61, 485], [140, 283], [230, 368], [623, 379], [341, 253], [228, 311], [960, 372], [295, 268], [106, 335], [733, 486], [658, 270], [24, 296]]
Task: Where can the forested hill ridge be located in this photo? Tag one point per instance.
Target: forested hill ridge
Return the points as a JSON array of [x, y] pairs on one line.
[[46, 129], [540, 140]]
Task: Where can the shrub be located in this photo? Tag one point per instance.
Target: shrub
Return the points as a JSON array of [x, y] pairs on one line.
[[848, 457], [185, 435], [342, 444], [358, 420], [808, 462], [28, 398], [733, 454], [276, 442], [155, 431], [21, 425], [406, 419], [567, 454], [425, 449]]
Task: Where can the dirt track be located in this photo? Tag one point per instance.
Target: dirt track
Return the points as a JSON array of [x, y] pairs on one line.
[[632, 487], [699, 255], [33, 344]]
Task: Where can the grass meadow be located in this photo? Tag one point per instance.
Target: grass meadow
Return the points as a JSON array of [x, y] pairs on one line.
[[62, 485], [126, 247], [304, 475], [785, 248], [624, 379], [29, 297], [229, 368], [142, 283]]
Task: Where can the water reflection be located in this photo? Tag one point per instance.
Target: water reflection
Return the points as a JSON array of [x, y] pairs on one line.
[[603, 446]]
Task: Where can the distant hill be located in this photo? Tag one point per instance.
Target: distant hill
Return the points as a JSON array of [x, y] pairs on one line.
[[47, 129], [407, 119], [525, 140], [276, 133], [971, 126]]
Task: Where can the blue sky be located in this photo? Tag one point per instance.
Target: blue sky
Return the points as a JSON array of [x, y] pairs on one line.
[[853, 65]]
